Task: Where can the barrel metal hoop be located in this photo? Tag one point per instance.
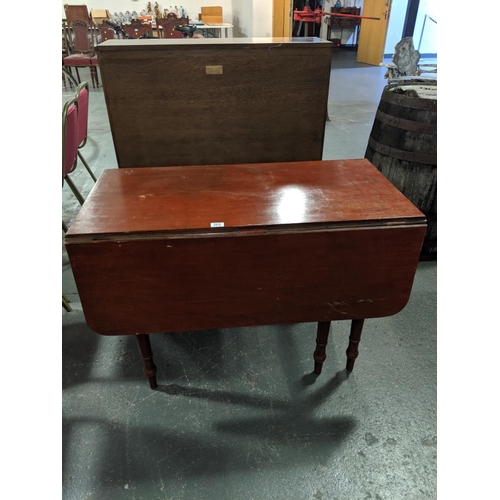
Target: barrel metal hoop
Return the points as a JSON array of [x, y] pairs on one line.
[[402, 155], [409, 102], [411, 125]]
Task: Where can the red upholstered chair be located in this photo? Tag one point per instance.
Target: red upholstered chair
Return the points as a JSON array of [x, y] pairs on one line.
[[80, 41], [69, 157], [82, 94], [70, 144]]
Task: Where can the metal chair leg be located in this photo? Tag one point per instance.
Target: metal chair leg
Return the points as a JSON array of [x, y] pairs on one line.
[[65, 303], [86, 166], [73, 188]]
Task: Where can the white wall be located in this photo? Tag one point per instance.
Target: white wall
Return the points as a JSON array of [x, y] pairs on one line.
[[425, 33], [262, 18], [396, 24], [242, 18]]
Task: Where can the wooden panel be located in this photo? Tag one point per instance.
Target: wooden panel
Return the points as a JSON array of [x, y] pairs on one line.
[[267, 104], [145, 258]]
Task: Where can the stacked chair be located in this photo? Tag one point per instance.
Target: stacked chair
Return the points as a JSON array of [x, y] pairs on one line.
[[82, 93], [70, 157], [74, 137]]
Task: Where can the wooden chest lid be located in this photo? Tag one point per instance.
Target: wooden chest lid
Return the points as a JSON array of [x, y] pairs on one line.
[[162, 44]]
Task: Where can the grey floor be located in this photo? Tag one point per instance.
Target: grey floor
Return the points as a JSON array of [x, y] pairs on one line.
[[238, 413]]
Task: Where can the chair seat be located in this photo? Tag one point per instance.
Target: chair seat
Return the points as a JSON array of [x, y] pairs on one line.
[[78, 60], [94, 61]]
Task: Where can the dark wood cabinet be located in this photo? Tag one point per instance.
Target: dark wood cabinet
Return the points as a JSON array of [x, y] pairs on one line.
[[216, 101]]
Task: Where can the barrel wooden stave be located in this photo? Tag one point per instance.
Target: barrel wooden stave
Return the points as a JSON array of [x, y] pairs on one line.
[[403, 146]]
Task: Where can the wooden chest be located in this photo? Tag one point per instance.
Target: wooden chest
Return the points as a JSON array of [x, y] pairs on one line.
[[216, 101]]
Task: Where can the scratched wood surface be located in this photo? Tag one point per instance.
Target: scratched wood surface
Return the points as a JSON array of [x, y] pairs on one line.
[[313, 241], [273, 195], [214, 101]]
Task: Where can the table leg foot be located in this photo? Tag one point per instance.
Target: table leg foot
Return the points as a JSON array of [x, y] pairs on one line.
[[149, 367], [321, 341], [354, 339]]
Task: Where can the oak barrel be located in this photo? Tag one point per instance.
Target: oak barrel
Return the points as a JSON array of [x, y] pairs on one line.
[[403, 146]]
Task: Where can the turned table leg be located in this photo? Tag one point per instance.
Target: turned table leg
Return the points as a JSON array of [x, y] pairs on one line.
[[354, 338], [149, 367], [321, 341]]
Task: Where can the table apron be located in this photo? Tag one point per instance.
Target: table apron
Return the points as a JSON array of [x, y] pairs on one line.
[[182, 284]]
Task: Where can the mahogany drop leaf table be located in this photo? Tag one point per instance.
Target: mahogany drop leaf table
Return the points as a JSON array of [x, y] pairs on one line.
[[169, 249]]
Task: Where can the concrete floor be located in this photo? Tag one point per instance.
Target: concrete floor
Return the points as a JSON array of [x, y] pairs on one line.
[[238, 414]]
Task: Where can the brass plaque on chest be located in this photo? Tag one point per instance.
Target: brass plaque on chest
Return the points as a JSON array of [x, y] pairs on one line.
[[213, 70]]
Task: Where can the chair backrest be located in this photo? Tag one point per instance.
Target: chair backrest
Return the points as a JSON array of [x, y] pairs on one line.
[[82, 94], [168, 26], [106, 32], [137, 29], [81, 37], [76, 12], [69, 136]]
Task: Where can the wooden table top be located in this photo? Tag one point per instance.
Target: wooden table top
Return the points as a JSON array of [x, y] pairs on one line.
[[199, 199]]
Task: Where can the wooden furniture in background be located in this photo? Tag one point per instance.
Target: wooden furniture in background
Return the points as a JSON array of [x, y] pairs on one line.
[[165, 27], [224, 246], [80, 38], [137, 28], [336, 23], [214, 101], [106, 32], [99, 15], [77, 13], [211, 15]]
